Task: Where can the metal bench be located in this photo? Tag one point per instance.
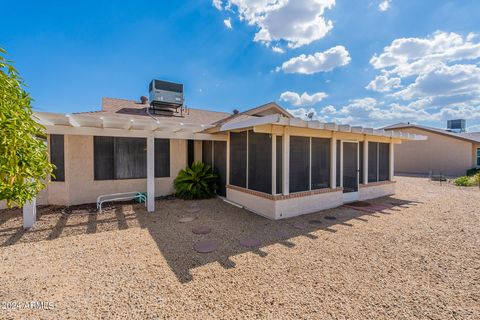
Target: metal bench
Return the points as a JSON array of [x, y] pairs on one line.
[[124, 196]]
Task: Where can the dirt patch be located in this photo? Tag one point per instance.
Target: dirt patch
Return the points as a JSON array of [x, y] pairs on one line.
[[417, 259]]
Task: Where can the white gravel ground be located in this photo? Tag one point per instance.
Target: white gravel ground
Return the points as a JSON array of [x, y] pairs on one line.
[[418, 260]]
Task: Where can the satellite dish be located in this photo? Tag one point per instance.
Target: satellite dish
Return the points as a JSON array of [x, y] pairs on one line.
[[310, 115]]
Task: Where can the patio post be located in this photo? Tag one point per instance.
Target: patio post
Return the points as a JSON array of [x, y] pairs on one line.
[[365, 161], [151, 173], [286, 162], [391, 162], [333, 162], [274, 164], [29, 213]]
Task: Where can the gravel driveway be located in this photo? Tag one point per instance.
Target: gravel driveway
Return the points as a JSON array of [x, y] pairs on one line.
[[420, 259]]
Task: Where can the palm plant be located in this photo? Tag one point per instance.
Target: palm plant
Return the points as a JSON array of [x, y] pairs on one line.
[[196, 182]]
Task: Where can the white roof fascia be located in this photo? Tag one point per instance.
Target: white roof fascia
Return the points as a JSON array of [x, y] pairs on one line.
[[247, 123]]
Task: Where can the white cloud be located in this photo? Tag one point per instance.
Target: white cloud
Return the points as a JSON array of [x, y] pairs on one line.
[[412, 56], [228, 23], [302, 100], [217, 4], [440, 76], [370, 112], [295, 22], [446, 81], [278, 50], [383, 83], [318, 62], [306, 114], [384, 5]]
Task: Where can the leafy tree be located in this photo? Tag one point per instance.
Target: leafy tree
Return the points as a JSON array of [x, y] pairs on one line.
[[24, 164], [196, 182]]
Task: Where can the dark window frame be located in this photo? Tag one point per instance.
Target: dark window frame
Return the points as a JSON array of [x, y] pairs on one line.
[[109, 170], [57, 157], [378, 162]]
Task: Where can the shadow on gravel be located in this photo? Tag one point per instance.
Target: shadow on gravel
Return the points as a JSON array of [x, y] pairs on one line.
[[175, 240]]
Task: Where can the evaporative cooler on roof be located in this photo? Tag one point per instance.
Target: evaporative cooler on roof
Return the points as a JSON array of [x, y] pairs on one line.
[[165, 96]]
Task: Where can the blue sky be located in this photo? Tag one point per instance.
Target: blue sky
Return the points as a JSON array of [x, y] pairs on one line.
[[371, 62]]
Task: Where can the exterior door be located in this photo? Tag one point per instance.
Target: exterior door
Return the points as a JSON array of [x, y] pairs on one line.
[[350, 170]]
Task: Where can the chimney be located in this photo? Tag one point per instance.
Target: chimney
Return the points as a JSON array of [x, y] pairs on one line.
[[144, 99]]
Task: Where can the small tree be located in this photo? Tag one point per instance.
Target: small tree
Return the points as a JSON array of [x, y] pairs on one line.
[[24, 165]]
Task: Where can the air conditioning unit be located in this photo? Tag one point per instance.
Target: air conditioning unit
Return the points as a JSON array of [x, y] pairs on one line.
[[165, 95], [457, 125]]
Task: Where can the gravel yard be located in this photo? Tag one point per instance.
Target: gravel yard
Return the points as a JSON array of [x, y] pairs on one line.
[[418, 260]]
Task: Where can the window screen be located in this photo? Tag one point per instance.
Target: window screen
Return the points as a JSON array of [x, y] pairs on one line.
[[130, 158], [478, 157], [207, 152], [339, 146], [190, 152], [372, 162], [260, 162], [299, 163], [383, 162], [360, 158], [103, 158], [320, 163], [126, 158], [238, 159], [279, 163], [162, 158], [220, 166], [57, 156]]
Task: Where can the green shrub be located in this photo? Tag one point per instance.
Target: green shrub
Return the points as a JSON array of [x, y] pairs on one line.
[[477, 179], [472, 172], [196, 182], [465, 181]]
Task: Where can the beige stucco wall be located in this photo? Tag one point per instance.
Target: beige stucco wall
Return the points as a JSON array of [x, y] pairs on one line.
[[259, 205], [197, 150], [439, 153], [80, 187], [293, 207], [285, 208], [375, 191]]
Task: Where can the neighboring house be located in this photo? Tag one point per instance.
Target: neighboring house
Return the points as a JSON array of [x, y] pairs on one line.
[[269, 162], [444, 152]]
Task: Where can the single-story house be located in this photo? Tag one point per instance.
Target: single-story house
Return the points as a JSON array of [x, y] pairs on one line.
[[268, 161], [445, 152]]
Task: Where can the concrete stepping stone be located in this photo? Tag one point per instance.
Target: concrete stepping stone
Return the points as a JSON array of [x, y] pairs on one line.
[[186, 219], [330, 218], [315, 222], [193, 210], [299, 225], [201, 230], [205, 246], [250, 242]]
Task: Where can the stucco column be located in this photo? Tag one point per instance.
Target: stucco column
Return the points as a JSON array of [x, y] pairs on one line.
[[286, 162], [29, 213], [365, 161], [392, 161], [333, 162], [274, 164], [150, 173]]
